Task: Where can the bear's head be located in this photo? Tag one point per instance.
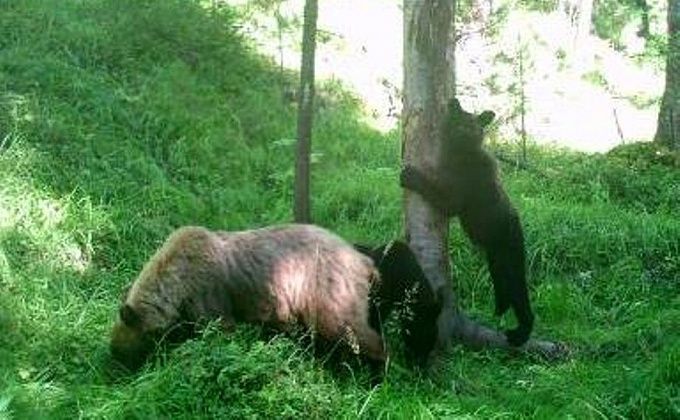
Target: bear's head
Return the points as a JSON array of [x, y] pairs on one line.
[[131, 345], [403, 283], [464, 130]]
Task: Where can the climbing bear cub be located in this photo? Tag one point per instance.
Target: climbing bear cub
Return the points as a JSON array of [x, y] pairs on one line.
[[278, 276], [468, 187]]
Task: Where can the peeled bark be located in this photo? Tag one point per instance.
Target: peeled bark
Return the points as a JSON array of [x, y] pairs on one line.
[[428, 87], [668, 126]]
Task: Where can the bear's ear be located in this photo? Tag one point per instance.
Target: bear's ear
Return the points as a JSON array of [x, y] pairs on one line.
[[129, 316], [485, 118]]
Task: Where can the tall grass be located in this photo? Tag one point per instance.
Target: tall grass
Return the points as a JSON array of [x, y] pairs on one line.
[[123, 119]]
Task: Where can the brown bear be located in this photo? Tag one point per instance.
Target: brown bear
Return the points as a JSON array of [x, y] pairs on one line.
[[468, 187], [277, 276]]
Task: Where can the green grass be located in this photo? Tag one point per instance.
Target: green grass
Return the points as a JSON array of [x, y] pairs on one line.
[[123, 119]]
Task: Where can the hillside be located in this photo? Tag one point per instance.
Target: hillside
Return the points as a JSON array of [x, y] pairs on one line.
[[121, 120]]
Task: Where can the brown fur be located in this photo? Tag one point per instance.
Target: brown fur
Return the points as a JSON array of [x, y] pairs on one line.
[[279, 276]]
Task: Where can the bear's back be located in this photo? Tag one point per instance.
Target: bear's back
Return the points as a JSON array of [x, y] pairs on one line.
[[307, 271]]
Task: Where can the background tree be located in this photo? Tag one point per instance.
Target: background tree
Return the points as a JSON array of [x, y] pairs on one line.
[[668, 126], [583, 22], [305, 114], [429, 84]]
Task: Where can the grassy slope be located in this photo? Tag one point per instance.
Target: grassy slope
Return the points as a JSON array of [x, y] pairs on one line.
[[122, 119]]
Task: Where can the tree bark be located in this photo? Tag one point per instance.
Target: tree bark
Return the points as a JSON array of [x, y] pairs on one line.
[[668, 125], [305, 114], [428, 29], [428, 86]]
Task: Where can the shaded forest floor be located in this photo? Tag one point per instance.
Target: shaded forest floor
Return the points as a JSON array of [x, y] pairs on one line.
[[121, 120]]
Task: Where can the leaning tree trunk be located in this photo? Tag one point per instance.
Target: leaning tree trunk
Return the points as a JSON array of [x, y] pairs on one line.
[[668, 126], [305, 114], [428, 86]]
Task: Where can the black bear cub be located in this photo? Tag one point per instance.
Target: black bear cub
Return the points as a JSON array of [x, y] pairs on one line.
[[468, 187], [402, 281]]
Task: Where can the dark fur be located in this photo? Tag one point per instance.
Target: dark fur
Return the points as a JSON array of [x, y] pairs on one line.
[[277, 276], [402, 281], [469, 188]]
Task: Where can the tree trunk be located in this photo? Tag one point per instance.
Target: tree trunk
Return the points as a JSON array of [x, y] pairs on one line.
[[583, 23], [428, 74], [428, 87], [643, 32], [668, 126], [580, 12], [305, 114]]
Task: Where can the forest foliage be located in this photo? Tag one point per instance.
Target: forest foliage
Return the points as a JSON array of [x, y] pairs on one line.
[[123, 119]]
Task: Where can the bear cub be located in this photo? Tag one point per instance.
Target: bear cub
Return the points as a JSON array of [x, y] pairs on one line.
[[467, 186]]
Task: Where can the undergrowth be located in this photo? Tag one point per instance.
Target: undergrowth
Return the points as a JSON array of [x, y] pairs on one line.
[[121, 120]]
